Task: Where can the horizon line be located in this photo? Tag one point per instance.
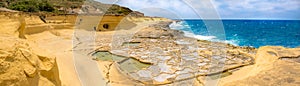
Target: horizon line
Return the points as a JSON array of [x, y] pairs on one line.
[[230, 19]]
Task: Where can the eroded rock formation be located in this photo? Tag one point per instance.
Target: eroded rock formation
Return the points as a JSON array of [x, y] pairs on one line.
[[273, 66], [20, 63], [21, 66]]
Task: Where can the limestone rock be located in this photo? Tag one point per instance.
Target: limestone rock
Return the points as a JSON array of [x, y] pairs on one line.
[[269, 69], [20, 66]]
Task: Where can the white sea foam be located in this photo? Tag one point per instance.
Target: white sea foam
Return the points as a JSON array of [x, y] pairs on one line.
[[181, 25], [192, 35], [233, 42]]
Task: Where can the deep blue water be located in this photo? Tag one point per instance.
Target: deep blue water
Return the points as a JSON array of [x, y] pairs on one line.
[[253, 33]]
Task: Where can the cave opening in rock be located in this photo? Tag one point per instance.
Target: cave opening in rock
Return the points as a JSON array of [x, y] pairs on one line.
[[106, 26]]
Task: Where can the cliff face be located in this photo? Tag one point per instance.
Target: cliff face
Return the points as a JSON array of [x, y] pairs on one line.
[[20, 63]]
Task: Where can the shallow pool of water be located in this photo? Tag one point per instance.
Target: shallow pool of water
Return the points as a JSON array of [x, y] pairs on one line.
[[125, 63]]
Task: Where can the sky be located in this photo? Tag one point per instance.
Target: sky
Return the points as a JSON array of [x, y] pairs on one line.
[[215, 9]]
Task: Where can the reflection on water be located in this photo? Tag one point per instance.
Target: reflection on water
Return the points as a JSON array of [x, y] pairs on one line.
[[125, 63]]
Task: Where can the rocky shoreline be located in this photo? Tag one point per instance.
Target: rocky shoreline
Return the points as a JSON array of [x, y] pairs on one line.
[[176, 58], [149, 54]]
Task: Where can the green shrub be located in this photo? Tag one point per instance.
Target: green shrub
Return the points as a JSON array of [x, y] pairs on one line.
[[31, 6], [76, 0], [46, 7]]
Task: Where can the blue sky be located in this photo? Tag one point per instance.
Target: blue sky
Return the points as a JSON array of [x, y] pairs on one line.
[[215, 9]]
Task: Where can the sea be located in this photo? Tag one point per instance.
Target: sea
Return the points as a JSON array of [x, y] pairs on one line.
[[252, 33]]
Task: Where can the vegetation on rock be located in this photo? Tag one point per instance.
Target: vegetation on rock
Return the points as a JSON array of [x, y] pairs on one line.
[[62, 6], [29, 5]]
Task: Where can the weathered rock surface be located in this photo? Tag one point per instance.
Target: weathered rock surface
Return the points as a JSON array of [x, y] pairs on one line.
[[20, 63], [177, 60], [273, 66], [173, 57], [21, 66]]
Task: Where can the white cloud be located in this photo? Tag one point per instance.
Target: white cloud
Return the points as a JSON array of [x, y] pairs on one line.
[[278, 9], [206, 9], [261, 5], [172, 6], [183, 8]]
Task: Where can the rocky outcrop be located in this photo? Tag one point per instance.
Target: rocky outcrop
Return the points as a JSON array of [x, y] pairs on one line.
[[171, 58], [9, 26], [267, 56], [273, 66], [21, 64], [19, 24], [160, 46]]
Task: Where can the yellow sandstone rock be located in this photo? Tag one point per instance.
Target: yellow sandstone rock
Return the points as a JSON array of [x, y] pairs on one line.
[[19, 65], [268, 69]]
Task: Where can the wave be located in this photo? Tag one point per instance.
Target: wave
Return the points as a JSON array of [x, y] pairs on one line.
[[178, 25], [183, 26], [192, 35]]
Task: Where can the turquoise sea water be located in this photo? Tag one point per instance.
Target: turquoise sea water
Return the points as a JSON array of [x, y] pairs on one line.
[[253, 33]]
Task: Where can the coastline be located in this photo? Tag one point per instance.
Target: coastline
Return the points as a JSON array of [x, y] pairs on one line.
[[169, 52], [236, 32], [233, 68], [162, 30]]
